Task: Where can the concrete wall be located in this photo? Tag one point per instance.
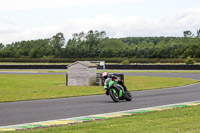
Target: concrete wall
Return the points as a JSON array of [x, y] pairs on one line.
[[92, 75], [80, 75]]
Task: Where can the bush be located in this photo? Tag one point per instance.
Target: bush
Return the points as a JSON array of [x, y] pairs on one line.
[[189, 61], [125, 62]]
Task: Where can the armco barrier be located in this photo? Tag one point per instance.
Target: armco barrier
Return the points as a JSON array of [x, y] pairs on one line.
[[123, 67], [154, 67]]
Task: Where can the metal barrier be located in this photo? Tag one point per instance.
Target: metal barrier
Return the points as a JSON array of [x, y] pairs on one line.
[[66, 79], [154, 67], [99, 81], [122, 67]]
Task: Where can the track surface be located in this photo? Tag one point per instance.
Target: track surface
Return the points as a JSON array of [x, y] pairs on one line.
[[42, 110]]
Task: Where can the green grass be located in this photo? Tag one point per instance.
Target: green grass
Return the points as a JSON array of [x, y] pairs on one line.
[[35, 70], [32, 87], [152, 71], [111, 71], [182, 120], [23, 63]]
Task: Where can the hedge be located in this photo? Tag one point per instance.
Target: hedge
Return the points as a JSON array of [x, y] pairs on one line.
[[107, 60]]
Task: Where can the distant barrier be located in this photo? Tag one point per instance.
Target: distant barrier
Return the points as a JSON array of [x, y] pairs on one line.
[[154, 67], [117, 67]]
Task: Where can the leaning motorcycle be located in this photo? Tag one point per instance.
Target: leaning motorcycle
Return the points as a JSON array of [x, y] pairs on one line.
[[116, 91]]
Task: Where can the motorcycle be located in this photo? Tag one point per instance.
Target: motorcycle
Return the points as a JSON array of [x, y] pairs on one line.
[[116, 91]]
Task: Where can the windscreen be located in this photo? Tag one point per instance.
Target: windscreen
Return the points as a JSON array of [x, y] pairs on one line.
[[107, 81]]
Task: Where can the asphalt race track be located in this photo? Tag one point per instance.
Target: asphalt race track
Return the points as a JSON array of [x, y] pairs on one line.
[[41, 110]]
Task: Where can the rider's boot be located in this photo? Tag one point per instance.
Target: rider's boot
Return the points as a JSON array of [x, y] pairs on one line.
[[106, 91], [123, 85]]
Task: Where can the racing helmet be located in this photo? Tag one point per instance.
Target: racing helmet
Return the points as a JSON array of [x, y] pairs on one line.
[[104, 75]]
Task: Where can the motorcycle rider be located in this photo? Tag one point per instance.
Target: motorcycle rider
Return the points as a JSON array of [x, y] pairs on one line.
[[106, 77]]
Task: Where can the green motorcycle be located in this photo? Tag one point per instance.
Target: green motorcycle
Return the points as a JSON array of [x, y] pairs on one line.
[[116, 91]]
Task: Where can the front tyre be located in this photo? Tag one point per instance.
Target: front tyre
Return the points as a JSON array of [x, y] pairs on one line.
[[128, 96], [114, 95]]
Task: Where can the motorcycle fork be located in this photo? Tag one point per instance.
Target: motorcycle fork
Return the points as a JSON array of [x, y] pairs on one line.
[[114, 90], [120, 93]]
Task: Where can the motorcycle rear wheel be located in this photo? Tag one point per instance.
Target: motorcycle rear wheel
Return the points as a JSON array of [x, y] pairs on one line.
[[128, 96]]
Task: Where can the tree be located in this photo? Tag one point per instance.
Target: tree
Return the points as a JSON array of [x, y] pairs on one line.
[[108, 53], [35, 53], [1, 46], [56, 43], [111, 43], [198, 34], [84, 44], [188, 34]]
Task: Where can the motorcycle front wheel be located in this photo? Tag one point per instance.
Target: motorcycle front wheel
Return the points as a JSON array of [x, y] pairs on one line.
[[114, 96]]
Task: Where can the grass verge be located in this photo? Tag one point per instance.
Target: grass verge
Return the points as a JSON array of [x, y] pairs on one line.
[[152, 71], [32, 87], [182, 120], [110, 71]]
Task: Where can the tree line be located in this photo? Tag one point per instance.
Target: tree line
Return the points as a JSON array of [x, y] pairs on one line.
[[96, 44]]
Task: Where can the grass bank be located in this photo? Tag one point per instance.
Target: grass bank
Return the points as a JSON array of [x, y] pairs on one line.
[[110, 71], [182, 120], [32, 87]]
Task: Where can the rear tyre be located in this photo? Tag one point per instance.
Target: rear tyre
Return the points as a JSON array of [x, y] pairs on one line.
[[114, 96], [128, 96]]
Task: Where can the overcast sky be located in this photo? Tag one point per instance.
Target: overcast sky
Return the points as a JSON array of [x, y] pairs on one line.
[[39, 19]]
